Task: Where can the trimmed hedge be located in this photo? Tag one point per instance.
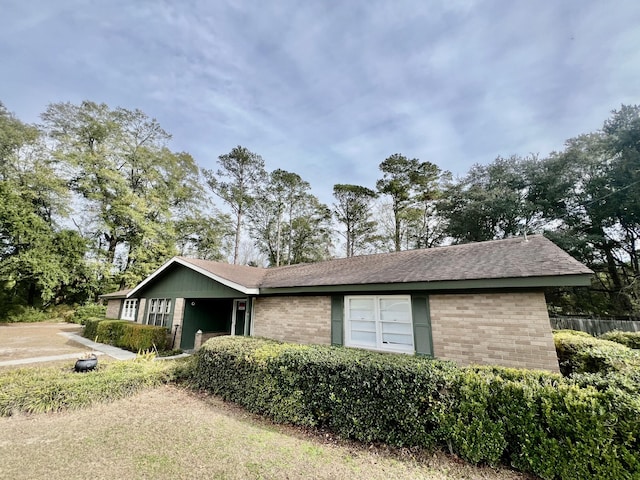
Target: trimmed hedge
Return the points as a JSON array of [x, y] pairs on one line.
[[581, 353], [628, 339], [125, 334], [536, 421]]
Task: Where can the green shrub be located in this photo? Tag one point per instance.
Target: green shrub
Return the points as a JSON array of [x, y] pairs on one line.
[[536, 421], [136, 337], [628, 339], [89, 310], [40, 390], [627, 381], [91, 327], [578, 353], [111, 331], [550, 426], [353, 392], [22, 314], [125, 334]]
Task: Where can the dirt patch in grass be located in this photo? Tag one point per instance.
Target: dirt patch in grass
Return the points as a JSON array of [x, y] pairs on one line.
[[26, 340], [168, 433]]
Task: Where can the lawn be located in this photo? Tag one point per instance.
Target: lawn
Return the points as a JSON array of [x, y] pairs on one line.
[[169, 432]]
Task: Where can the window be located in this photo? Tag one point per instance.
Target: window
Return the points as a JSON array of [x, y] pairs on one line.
[[379, 322], [129, 309], [159, 310]]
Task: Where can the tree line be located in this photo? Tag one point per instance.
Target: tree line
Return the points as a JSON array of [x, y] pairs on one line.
[[92, 199]]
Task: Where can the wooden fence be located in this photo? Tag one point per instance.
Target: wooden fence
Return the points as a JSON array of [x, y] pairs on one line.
[[594, 326]]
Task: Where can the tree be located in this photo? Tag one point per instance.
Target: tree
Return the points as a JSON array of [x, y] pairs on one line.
[[507, 197], [39, 263], [132, 187], [353, 210], [277, 200], [236, 182], [407, 182], [309, 232], [208, 237], [289, 224], [600, 221]]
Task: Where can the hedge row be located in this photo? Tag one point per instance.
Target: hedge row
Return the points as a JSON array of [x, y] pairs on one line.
[[602, 364], [536, 421], [628, 339], [125, 334], [579, 352]]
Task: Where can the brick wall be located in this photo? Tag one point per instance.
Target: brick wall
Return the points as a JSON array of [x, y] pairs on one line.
[[176, 323], [141, 306], [293, 319], [509, 329], [113, 308]]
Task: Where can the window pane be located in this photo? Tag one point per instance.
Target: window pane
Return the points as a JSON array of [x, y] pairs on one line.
[[361, 309], [361, 326], [393, 309], [396, 327], [168, 306], [392, 338], [364, 338]]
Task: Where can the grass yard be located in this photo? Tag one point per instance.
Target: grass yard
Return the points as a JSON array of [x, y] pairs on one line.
[[168, 432]]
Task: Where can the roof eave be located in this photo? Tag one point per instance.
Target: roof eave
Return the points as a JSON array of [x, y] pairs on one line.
[[574, 280]]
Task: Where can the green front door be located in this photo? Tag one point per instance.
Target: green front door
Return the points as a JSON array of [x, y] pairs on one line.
[[239, 316]]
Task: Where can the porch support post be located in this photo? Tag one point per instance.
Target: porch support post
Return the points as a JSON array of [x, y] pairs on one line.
[[198, 341]]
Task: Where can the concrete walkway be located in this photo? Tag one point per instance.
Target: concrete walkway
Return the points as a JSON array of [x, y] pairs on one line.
[[97, 348], [115, 352], [50, 358]]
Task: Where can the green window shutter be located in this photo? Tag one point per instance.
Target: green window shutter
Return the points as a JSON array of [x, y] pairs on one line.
[[337, 316], [421, 325]]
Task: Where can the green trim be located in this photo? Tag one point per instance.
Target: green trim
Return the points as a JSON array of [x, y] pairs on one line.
[[421, 315], [525, 282], [337, 320]]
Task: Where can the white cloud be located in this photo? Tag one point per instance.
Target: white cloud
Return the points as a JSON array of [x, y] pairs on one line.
[[330, 90]]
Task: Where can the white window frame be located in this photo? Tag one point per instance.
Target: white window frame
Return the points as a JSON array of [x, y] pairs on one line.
[[129, 307], [379, 324], [159, 312]]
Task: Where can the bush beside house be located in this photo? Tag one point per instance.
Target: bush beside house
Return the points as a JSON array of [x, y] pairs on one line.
[[579, 352], [536, 421], [89, 310], [628, 339], [125, 334]]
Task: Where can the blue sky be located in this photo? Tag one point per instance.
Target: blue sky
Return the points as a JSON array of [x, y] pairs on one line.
[[329, 89]]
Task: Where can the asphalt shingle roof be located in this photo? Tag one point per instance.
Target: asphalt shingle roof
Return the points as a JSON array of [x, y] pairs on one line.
[[250, 277], [511, 258]]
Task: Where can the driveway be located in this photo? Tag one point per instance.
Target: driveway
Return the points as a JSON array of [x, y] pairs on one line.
[[20, 341]]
